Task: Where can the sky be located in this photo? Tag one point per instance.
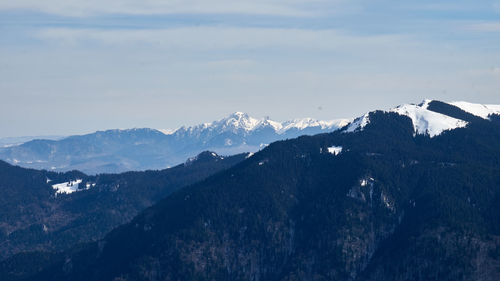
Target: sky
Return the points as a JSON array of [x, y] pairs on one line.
[[75, 66]]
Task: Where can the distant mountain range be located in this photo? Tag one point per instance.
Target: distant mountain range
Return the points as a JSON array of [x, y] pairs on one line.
[[13, 141], [141, 149], [409, 193]]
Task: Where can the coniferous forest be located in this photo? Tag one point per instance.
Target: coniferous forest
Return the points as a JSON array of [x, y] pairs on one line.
[[392, 205]]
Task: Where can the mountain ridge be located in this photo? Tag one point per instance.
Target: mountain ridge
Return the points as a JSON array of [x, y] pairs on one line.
[[240, 120], [44, 210], [427, 119], [117, 150], [381, 203]]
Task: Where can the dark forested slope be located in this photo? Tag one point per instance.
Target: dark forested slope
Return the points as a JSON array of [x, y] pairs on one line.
[[381, 203], [34, 217]]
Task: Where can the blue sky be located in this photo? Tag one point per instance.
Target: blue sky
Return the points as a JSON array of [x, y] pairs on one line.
[[73, 66]]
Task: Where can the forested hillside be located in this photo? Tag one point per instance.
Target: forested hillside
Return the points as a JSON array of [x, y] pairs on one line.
[[34, 216], [380, 203]]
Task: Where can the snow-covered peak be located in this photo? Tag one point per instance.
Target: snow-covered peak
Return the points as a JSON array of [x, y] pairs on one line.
[[266, 122], [204, 156], [239, 120], [238, 115], [242, 122], [358, 123], [481, 110], [424, 121], [304, 123], [425, 103]]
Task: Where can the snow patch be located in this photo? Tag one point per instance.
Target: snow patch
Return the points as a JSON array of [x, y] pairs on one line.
[[424, 121], [428, 122], [67, 187], [335, 150], [167, 131], [277, 126], [481, 110], [366, 181], [359, 123]]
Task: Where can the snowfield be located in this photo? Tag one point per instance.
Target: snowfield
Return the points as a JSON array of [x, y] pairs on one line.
[[335, 150], [481, 110], [427, 122], [67, 187]]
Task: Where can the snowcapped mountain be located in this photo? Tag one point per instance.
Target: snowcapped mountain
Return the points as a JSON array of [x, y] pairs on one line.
[[140, 149], [242, 123], [432, 117], [410, 194], [239, 132], [481, 110]]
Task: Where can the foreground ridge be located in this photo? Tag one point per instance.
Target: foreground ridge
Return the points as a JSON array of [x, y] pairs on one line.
[[427, 121], [384, 202]]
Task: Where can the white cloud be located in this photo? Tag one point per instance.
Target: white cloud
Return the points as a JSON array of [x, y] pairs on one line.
[[81, 8]]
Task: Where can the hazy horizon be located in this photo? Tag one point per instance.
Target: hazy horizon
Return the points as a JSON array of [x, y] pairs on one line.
[[164, 130], [74, 67]]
